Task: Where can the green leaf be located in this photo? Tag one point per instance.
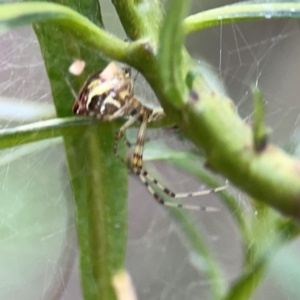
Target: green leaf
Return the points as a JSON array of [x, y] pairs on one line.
[[98, 178], [100, 190]]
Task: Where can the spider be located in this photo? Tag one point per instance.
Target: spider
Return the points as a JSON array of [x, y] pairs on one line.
[[108, 95]]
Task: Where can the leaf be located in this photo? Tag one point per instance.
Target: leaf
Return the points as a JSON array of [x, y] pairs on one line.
[[99, 180]]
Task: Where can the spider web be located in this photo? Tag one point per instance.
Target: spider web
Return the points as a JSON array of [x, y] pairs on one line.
[[37, 230]]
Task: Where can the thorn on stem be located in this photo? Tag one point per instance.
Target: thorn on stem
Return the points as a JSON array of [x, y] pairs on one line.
[[260, 131]]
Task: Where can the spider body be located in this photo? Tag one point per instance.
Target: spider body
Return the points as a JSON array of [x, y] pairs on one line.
[[108, 95]]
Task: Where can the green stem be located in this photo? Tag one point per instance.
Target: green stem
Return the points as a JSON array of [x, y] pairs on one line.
[[241, 13], [140, 19], [19, 14], [33, 132]]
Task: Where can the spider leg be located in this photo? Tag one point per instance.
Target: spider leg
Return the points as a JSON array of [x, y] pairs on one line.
[[170, 193], [126, 141], [134, 109], [161, 201], [74, 94], [136, 163], [120, 134], [137, 168], [117, 114]]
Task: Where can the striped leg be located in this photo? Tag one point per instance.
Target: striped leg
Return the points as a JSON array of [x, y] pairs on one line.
[[136, 165], [137, 158], [120, 134], [170, 193], [161, 201]]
